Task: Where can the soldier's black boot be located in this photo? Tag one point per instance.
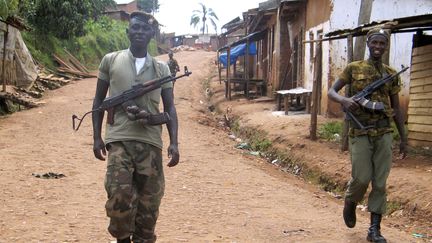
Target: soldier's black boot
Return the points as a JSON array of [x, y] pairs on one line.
[[126, 240], [349, 213], [374, 232]]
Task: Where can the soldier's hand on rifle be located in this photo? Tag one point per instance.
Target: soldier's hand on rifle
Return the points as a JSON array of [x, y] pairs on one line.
[[99, 148], [350, 104], [173, 153], [132, 112], [135, 113]]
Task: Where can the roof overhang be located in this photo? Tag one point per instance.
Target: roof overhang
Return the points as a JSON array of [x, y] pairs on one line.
[[398, 25], [256, 36]]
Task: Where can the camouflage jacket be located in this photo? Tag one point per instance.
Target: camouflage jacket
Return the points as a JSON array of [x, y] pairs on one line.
[[173, 66], [358, 75]]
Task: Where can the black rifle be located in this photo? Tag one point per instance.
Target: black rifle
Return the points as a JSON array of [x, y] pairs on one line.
[[136, 91], [361, 98]]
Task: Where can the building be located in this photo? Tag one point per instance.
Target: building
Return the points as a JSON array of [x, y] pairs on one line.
[[290, 31]]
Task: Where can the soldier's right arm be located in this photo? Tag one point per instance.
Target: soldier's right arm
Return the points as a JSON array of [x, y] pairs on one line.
[[97, 118], [344, 78]]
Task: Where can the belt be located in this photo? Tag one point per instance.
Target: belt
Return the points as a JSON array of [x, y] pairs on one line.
[[375, 124]]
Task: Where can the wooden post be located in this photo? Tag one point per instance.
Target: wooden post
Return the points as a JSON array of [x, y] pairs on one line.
[[228, 89], [287, 100], [219, 67], [364, 17], [246, 69], [4, 57], [316, 91], [345, 128]]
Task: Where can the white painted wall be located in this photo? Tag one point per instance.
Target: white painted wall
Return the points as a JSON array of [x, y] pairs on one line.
[[345, 15]]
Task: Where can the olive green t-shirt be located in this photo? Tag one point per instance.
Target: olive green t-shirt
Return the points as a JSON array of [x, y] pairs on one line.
[[118, 68], [359, 74]]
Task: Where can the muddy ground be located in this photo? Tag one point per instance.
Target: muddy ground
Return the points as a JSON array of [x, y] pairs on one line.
[[218, 193]]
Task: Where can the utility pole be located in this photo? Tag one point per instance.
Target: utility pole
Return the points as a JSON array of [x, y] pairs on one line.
[[364, 18], [357, 54]]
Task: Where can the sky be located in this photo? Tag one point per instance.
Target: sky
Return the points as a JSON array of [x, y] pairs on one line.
[[175, 14]]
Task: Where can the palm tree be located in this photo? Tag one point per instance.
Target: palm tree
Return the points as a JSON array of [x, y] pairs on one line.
[[201, 16]]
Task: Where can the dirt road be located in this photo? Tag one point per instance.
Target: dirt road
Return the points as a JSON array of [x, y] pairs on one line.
[[216, 193]]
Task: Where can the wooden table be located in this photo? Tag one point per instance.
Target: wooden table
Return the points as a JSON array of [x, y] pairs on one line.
[[255, 84], [290, 94]]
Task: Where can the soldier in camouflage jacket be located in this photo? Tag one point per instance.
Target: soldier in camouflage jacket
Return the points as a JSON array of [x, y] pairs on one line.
[[371, 149]]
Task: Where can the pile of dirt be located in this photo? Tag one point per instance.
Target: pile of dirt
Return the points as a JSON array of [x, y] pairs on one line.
[[182, 48]]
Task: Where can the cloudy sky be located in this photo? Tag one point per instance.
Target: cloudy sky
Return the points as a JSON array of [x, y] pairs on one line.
[[175, 14]]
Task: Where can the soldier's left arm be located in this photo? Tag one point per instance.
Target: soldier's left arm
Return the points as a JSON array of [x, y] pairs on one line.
[[398, 118], [177, 66], [172, 125]]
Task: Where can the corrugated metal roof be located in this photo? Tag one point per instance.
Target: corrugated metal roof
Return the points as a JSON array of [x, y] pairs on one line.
[[231, 23], [259, 35], [268, 5], [405, 24]]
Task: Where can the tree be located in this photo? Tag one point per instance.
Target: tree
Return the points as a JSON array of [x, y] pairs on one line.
[[149, 6], [64, 19], [201, 16], [8, 8]]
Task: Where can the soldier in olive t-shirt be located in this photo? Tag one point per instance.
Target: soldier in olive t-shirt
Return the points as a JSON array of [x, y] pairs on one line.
[[134, 179]]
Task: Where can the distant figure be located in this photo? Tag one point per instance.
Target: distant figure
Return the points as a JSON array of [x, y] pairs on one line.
[[173, 64], [371, 148]]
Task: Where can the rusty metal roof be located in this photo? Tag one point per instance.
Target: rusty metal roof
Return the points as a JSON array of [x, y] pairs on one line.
[[256, 36], [397, 25]]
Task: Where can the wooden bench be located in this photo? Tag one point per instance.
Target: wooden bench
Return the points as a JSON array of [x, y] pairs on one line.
[[293, 94]]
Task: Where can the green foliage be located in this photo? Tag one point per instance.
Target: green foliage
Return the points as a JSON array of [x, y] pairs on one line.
[[149, 6], [8, 8], [97, 7], [256, 138], [259, 143], [393, 206], [64, 19], [329, 130], [152, 48], [4, 9], [103, 36]]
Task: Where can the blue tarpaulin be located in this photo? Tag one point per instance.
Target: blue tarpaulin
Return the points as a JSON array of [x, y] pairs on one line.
[[237, 51]]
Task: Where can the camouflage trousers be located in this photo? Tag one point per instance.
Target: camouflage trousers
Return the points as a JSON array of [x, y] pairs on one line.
[[135, 186]]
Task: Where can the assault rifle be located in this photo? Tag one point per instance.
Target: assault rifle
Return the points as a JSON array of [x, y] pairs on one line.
[[136, 91], [361, 98]]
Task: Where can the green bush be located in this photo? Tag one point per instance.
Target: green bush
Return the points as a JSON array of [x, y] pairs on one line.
[[64, 19], [260, 144], [103, 36], [331, 131]]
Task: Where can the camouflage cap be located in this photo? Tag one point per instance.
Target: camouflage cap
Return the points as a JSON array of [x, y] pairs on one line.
[[145, 17], [378, 31]]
